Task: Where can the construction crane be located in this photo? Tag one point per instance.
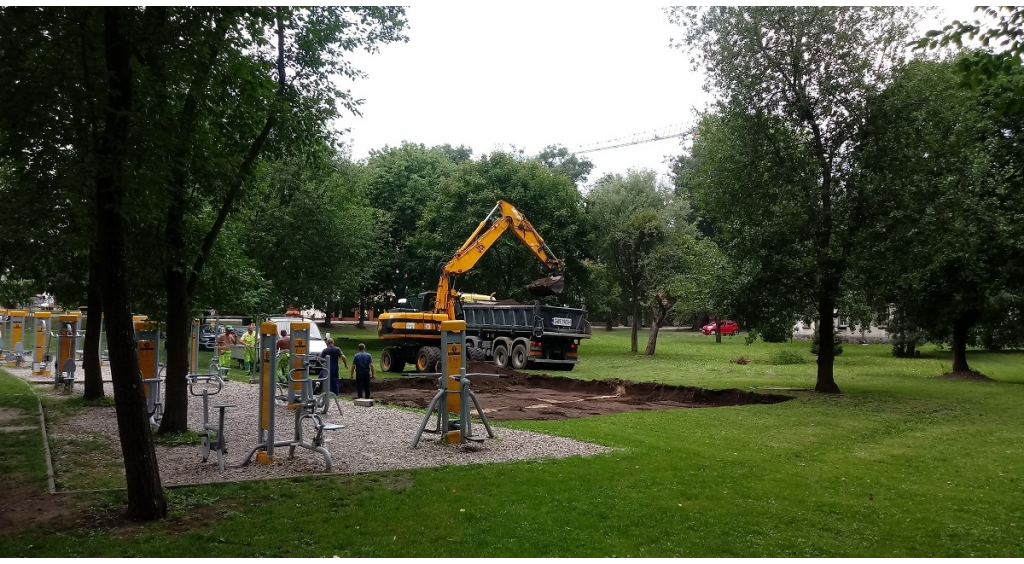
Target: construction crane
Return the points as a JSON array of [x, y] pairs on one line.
[[679, 130]]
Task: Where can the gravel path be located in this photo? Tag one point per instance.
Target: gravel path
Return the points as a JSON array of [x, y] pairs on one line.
[[373, 438]]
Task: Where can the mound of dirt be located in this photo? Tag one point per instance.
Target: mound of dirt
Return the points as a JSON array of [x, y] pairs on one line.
[[520, 396], [970, 376]]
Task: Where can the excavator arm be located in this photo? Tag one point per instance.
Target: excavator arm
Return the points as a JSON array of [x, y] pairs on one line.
[[481, 240]]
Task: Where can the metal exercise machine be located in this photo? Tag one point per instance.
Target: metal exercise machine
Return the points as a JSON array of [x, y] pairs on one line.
[[211, 437], [64, 365], [41, 360], [79, 352], [16, 352], [453, 394], [147, 335], [298, 395]]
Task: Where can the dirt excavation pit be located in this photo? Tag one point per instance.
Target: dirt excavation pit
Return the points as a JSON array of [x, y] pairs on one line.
[[506, 395]]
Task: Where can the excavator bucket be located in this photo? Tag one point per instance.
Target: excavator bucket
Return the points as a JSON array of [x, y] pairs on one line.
[[547, 286]]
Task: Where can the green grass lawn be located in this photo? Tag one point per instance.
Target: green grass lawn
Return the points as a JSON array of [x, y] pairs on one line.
[[900, 464]]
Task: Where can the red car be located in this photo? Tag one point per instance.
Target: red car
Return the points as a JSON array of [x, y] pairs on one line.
[[729, 327]]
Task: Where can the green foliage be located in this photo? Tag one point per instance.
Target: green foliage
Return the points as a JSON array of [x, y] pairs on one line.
[[1002, 37], [308, 230], [786, 356], [837, 344], [400, 182], [634, 235], [944, 241], [561, 161]]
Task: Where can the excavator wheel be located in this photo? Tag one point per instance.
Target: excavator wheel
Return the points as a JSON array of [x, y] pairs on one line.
[[477, 354], [427, 359], [391, 362], [500, 356]]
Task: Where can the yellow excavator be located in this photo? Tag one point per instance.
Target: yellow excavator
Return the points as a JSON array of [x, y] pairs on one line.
[[413, 331]]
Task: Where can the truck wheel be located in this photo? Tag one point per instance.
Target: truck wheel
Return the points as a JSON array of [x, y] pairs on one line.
[[520, 357], [390, 362], [427, 359], [500, 356]]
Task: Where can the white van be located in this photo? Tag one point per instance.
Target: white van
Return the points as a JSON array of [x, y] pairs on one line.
[[316, 341]]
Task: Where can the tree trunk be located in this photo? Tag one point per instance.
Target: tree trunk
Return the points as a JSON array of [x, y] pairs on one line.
[[960, 328], [636, 324], [609, 324], [718, 330], [658, 314], [177, 331], [826, 347], [93, 328], [360, 316], [145, 494]]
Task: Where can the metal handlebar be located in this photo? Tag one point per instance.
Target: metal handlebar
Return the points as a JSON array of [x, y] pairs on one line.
[[214, 374]]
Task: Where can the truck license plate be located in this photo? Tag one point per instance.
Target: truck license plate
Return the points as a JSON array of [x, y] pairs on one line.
[[561, 321]]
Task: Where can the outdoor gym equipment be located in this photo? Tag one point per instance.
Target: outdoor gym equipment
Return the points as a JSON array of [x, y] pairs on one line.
[[211, 437], [16, 337], [147, 335], [64, 367], [299, 397], [79, 351], [41, 361], [99, 344], [453, 394]]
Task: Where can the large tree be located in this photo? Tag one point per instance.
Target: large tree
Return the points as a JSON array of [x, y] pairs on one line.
[[945, 243], [638, 225], [808, 70], [319, 242], [288, 98], [401, 182]]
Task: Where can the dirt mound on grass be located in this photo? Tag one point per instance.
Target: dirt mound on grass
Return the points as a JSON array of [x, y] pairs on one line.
[[970, 376]]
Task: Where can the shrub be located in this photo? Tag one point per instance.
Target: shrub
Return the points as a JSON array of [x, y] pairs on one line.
[[786, 357]]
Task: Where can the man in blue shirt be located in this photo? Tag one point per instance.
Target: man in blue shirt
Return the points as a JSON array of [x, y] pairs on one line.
[[362, 368], [334, 353]]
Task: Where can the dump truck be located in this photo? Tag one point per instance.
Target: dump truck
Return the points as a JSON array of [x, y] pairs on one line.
[[524, 335], [413, 330]]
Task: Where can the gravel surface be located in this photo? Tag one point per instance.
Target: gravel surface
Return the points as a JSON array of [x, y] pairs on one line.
[[373, 438]]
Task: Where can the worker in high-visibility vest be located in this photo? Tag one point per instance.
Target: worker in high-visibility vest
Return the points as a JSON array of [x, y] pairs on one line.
[[249, 339]]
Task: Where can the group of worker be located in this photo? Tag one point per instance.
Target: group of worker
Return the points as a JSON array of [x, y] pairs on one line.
[[362, 369]]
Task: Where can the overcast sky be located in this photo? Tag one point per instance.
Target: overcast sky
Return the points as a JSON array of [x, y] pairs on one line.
[[493, 76]]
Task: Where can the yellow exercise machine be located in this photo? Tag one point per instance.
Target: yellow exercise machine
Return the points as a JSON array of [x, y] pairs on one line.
[[64, 367], [16, 337], [147, 335], [41, 362], [298, 396], [454, 394]]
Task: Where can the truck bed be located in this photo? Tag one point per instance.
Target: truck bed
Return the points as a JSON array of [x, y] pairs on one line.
[[532, 320]]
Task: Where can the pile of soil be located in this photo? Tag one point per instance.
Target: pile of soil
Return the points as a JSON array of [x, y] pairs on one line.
[[514, 395], [970, 376]]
